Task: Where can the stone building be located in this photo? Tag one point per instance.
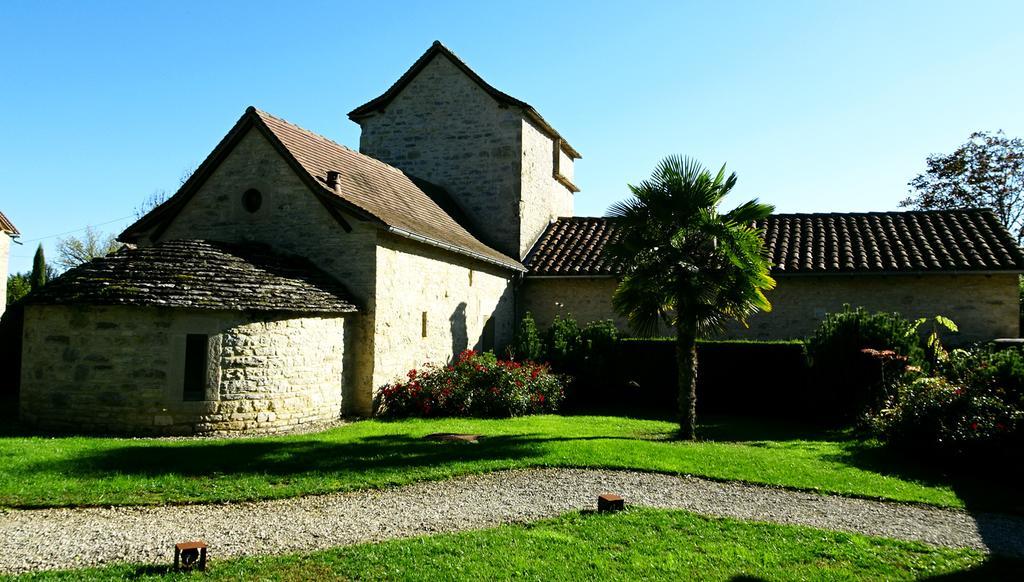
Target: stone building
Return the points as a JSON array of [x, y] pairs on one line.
[[7, 234], [959, 263], [291, 277]]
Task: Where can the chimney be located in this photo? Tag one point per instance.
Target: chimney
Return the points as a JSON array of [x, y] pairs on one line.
[[332, 179]]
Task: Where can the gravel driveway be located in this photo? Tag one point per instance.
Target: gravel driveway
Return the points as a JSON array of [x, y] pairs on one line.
[[73, 538]]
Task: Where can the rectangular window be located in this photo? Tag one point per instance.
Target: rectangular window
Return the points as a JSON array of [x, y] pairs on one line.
[[196, 349], [423, 324]]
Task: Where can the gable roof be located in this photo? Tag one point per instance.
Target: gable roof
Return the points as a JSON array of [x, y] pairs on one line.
[[965, 240], [368, 188], [199, 274], [7, 226], [381, 102]]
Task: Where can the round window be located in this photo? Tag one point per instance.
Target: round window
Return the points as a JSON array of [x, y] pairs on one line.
[[252, 200]]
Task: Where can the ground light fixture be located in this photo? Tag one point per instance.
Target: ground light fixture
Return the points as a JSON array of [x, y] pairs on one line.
[[190, 555], [608, 502]]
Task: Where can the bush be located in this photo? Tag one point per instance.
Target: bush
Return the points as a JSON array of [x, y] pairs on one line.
[[848, 382], [526, 345], [1000, 372], [477, 384], [563, 343], [935, 416]]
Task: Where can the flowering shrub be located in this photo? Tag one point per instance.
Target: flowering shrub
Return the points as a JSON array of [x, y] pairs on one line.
[[476, 384], [935, 415]]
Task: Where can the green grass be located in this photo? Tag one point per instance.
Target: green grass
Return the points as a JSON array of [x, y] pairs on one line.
[[635, 545], [70, 471]]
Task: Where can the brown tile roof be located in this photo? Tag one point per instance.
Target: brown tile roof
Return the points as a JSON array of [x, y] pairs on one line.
[[381, 102], [573, 246], [871, 242], [199, 274], [366, 187], [7, 226]]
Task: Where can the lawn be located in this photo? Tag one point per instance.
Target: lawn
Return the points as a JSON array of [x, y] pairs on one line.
[[635, 545], [73, 471]]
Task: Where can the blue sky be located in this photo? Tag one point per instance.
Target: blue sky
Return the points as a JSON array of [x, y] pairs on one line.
[[818, 106]]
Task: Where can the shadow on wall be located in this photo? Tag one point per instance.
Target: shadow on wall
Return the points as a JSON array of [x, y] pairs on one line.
[[459, 332]]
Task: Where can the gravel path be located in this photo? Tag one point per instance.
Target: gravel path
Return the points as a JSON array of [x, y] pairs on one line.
[[73, 538]]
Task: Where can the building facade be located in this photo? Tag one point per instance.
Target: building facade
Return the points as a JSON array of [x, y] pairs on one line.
[[290, 277]]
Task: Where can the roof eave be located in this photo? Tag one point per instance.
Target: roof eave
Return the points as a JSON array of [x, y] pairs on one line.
[[509, 264]]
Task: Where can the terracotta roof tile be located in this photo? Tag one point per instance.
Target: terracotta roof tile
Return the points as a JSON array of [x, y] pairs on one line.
[[7, 226], [199, 274], [872, 242]]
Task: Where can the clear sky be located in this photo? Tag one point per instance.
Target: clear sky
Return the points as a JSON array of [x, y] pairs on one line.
[[818, 106]]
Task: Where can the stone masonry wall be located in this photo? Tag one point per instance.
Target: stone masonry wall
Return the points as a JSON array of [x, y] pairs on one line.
[[585, 298], [543, 198], [444, 128], [983, 306], [292, 221], [5, 249], [120, 370], [458, 296]]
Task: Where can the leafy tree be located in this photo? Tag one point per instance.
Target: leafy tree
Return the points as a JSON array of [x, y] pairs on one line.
[[73, 251], [987, 171], [38, 277], [18, 286], [685, 262]]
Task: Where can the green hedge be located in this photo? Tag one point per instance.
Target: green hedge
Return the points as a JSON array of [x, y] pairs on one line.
[[761, 378]]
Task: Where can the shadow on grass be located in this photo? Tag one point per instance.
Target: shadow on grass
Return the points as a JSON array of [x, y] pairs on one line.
[[995, 568], [285, 458]]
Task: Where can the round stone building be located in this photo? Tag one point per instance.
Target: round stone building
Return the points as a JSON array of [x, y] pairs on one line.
[[185, 337]]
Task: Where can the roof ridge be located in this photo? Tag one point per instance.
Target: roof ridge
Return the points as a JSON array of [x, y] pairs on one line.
[[887, 212]]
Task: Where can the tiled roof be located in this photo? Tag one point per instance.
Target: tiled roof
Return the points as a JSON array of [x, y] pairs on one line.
[[7, 226], [871, 242], [573, 246], [380, 103], [199, 274], [367, 187]]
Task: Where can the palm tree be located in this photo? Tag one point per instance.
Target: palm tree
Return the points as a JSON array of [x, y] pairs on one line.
[[687, 264]]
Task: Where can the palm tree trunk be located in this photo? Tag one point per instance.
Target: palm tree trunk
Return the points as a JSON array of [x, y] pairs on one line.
[[686, 358]]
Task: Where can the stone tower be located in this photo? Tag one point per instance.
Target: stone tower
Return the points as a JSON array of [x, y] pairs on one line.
[[509, 171]]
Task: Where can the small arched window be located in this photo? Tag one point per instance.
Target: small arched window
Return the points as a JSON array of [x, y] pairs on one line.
[[252, 200]]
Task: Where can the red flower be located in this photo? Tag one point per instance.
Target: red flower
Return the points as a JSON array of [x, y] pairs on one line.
[[411, 374], [974, 426]]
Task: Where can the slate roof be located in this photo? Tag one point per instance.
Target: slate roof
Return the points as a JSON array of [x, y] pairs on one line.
[[380, 103], [200, 274], [368, 188], [7, 226], [873, 242]]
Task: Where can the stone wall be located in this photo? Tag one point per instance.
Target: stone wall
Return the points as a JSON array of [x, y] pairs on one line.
[[5, 249], [121, 370], [585, 298], [458, 296], [543, 198], [293, 221], [983, 306], [444, 128]]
